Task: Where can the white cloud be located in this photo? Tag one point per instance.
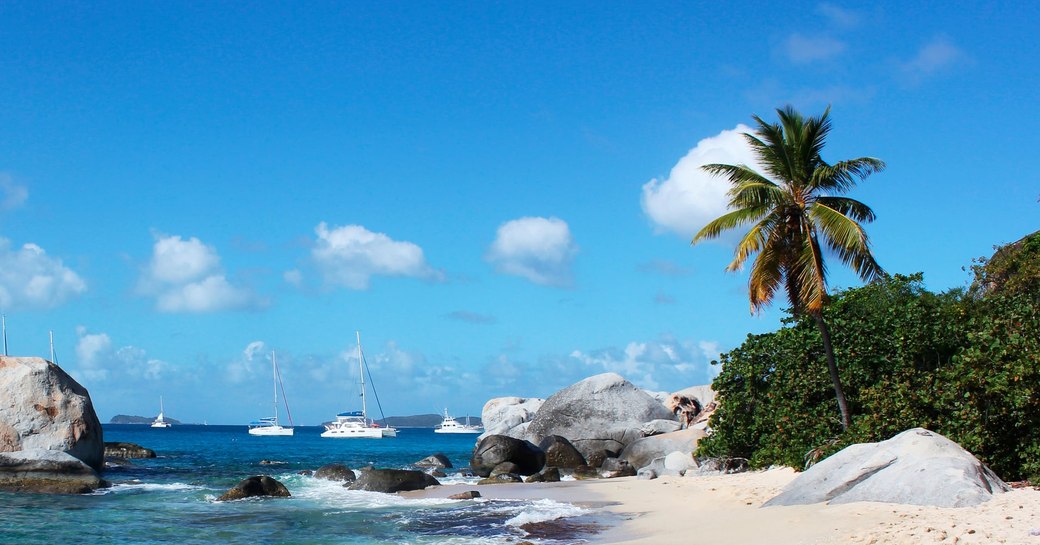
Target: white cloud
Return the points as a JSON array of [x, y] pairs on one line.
[[667, 362], [30, 279], [691, 197], [351, 255], [186, 276], [92, 350], [801, 49], [538, 249], [839, 16], [933, 57], [97, 361], [12, 195]]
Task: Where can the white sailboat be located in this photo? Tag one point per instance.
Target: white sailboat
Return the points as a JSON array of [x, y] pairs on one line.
[[355, 424], [160, 421], [268, 425], [450, 425]]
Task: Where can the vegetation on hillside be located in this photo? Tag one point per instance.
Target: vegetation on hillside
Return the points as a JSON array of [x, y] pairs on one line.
[[964, 363]]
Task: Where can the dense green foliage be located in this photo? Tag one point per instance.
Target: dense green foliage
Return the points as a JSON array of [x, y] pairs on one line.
[[964, 364]]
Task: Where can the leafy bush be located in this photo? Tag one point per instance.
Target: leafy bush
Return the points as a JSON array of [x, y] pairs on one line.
[[966, 365]]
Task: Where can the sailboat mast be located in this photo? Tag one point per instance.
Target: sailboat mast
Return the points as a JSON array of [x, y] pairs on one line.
[[361, 369], [51, 333], [4, 319], [274, 379]]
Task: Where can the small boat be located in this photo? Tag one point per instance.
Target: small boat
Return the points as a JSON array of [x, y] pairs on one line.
[[160, 421], [356, 424], [268, 426], [450, 425]]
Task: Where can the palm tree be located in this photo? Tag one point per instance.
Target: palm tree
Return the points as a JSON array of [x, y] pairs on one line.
[[794, 210]]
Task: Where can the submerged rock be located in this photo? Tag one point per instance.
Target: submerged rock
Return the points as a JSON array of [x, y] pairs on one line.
[[127, 450], [260, 485], [916, 467], [392, 480]]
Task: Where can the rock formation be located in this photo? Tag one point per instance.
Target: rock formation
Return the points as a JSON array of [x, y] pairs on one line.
[[641, 452], [392, 480], [128, 450], [46, 471], [335, 472], [44, 408], [601, 412], [499, 449], [508, 415], [916, 467], [260, 485], [438, 460]]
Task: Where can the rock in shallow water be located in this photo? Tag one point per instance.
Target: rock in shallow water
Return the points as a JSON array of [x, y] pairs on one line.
[[260, 485], [47, 471], [392, 480]]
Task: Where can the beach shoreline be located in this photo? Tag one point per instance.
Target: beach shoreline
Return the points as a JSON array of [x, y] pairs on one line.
[[727, 509]]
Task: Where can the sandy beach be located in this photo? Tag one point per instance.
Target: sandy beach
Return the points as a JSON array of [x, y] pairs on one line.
[[726, 509]]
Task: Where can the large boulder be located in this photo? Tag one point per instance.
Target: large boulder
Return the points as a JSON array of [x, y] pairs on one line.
[[260, 485], [601, 412], [47, 471], [335, 472], [439, 461], [508, 415], [392, 480], [42, 407], [497, 449], [641, 452], [559, 452], [916, 467]]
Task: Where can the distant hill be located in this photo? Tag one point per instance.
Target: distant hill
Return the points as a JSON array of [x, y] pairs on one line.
[[127, 419], [425, 420]]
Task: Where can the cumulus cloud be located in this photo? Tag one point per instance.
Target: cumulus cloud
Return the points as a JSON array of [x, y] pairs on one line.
[[801, 49], [12, 195], [932, 58], [689, 198], [665, 363], [30, 279], [351, 255], [538, 249], [185, 275], [98, 361]]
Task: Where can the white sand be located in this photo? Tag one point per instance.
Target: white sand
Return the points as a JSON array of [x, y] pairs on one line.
[[726, 509]]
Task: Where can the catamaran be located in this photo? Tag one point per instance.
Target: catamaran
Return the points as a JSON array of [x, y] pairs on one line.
[[160, 421], [355, 424], [450, 425], [268, 425]]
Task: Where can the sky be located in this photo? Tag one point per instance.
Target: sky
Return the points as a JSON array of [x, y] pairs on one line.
[[498, 196]]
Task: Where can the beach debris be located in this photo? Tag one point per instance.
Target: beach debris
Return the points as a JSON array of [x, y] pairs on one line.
[[127, 450], [916, 467], [496, 449], [392, 480], [256, 486], [45, 408], [335, 472], [559, 452], [438, 460]]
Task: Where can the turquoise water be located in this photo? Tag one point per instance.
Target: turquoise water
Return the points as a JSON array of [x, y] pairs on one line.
[[170, 499]]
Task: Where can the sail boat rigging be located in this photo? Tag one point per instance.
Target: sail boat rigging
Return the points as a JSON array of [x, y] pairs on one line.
[[160, 421], [269, 426], [355, 424]]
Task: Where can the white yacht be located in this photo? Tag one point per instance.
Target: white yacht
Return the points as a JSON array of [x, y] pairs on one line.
[[160, 421], [269, 426], [356, 424], [450, 425]]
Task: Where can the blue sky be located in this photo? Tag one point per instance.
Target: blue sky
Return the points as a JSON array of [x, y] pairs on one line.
[[499, 196]]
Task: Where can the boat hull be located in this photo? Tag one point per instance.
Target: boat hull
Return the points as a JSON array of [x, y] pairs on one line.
[[354, 433], [271, 431], [458, 430]]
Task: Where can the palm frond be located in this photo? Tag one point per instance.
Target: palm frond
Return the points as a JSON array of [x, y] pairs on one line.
[[730, 220], [842, 176], [847, 239], [852, 208]]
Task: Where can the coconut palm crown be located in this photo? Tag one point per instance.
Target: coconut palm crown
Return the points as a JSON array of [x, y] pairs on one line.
[[795, 209]]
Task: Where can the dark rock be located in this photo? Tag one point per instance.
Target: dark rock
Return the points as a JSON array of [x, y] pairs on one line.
[[438, 474], [583, 473], [559, 452], [47, 471], [547, 475], [259, 485], [305, 472], [468, 495], [616, 467], [392, 480], [495, 449], [505, 467], [127, 450], [502, 478], [335, 472], [596, 458], [437, 460]]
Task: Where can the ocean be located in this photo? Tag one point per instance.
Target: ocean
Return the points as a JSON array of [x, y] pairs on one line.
[[171, 498]]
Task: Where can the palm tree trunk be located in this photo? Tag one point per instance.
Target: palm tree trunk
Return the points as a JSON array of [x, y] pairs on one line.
[[832, 366]]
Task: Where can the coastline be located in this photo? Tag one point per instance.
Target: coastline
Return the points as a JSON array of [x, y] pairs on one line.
[[726, 509]]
